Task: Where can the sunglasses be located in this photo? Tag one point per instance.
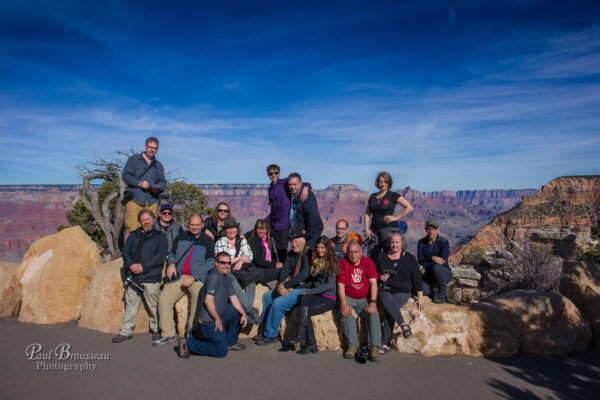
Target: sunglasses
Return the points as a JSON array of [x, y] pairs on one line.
[[224, 262], [167, 213], [222, 211], [273, 173]]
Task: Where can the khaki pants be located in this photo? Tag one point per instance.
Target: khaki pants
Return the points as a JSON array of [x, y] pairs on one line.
[[172, 292], [132, 209], [132, 306]]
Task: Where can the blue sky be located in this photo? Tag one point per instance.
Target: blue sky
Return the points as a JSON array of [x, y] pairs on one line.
[[442, 94]]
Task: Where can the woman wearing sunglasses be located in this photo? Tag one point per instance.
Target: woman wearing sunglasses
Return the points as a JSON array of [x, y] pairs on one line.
[[213, 225]]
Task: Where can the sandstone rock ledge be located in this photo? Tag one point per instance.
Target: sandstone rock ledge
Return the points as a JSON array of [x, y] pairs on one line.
[[10, 291], [549, 324], [52, 276], [103, 303]]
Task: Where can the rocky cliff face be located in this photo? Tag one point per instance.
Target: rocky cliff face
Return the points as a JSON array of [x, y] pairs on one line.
[[564, 205], [30, 212]]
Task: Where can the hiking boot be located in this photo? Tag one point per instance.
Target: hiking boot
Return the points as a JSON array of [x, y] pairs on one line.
[[183, 350], [121, 338], [161, 341], [374, 354], [237, 347], [350, 352], [267, 340]]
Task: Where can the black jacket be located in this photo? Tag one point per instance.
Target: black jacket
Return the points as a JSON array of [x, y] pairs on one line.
[[153, 254], [259, 253], [307, 217], [289, 268]]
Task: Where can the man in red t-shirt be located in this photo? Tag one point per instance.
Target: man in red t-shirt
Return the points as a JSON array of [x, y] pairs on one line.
[[357, 291]]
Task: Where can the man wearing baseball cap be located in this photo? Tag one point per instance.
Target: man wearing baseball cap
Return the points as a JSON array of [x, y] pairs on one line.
[[432, 254]]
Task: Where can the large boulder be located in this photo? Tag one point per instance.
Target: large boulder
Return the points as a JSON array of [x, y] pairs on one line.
[[448, 329], [103, 302], [52, 276], [580, 283], [10, 291], [549, 324]]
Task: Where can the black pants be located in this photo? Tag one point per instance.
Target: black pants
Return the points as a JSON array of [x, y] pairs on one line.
[[316, 304], [281, 239], [392, 303]]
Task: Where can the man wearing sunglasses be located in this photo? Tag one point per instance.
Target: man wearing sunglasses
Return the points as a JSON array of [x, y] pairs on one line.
[[220, 315], [166, 224], [279, 199]]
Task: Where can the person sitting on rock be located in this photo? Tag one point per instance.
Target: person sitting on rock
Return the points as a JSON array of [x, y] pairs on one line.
[[342, 239], [220, 315], [143, 257], [432, 254], [357, 291], [291, 283], [166, 224], [319, 297], [399, 275], [192, 257]]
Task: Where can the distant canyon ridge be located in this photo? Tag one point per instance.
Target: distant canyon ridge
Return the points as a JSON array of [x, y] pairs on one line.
[[29, 212]]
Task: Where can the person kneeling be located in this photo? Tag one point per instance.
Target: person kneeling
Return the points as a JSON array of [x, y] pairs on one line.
[[219, 320]]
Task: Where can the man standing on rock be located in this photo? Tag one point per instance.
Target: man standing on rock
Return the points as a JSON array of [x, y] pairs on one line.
[[279, 200], [145, 179], [143, 257], [432, 255], [357, 291], [304, 215], [219, 320], [192, 257], [342, 239]]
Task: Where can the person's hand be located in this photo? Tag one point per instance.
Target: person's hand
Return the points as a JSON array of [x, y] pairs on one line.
[[371, 308], [390, 218], [279, 265], [187, 281], [136, 268], [238, 265], [244, 320], [368, 233], [420, 303], [281, 290], [438, 260], [144, 185], [422, 269], [245, 259], [210, 234], [304, 194], [171, 271], [346, 310], [218, 325], [384, 277]]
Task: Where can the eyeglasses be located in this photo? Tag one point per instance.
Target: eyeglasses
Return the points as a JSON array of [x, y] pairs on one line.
[[222, 211], [167, 213], [152, 147], [224, 262], [272, 173]]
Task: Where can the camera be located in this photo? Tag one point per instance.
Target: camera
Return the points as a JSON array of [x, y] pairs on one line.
[[362, 355], [385, 286], [129, 281], [127, 196]]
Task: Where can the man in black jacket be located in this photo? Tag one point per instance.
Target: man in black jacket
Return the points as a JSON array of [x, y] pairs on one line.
[[304, 215], [143, 256]]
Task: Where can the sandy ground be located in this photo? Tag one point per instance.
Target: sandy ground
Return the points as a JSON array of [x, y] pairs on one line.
[[135, 370]]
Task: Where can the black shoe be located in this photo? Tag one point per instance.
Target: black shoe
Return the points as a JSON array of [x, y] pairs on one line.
[[267, 340], [121, 338], [311, 343], [308, 349], [302, 322], [439, 299], [259, 336], [183, 350]]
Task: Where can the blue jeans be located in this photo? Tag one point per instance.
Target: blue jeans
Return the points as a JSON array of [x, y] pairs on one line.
[[218, 341], [274, 308]]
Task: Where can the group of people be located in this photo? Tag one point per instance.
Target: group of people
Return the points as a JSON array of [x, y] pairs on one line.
[[219, 266]]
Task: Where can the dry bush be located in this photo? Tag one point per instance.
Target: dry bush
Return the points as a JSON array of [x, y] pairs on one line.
[[532, 266]]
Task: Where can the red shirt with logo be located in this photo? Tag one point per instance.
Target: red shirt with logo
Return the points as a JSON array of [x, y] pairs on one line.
[[356, 277]]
